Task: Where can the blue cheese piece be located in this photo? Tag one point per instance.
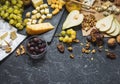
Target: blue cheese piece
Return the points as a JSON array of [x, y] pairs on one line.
[[88, 3]]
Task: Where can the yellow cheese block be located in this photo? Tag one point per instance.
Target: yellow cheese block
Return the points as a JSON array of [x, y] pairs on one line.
[[35, 29], [37, 3]]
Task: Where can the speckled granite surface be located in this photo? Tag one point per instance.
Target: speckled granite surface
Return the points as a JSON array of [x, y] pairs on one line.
[[57, 68]]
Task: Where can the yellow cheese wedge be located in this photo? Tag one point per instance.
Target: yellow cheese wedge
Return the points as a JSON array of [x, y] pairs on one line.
[[35, 29]]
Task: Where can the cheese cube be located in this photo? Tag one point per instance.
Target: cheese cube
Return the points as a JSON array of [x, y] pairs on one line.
[[41, 6], [45, 5], [38, 15], [43, 17], [38, 8], [37, 3], [34, 11], [46, 11], [28, 14], [33, 17], [28, 23], [40, 21], [34, 21], [49, 16], [42, 11]]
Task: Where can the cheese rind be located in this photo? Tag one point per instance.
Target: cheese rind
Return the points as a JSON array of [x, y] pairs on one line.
[[39, 28]]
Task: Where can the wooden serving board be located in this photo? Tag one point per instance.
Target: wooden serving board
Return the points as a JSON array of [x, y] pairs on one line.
[[98, 15], [54, 21]]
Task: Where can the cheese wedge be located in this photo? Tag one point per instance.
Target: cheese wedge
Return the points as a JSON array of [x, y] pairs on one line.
[[112, 29], [117, 31], [3, 35], [104, 24], [39, 28]]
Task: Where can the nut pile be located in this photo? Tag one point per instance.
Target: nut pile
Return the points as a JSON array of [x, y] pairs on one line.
[[88, 22]]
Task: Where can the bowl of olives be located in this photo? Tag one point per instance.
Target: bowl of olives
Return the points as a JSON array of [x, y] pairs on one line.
[[36, 47]]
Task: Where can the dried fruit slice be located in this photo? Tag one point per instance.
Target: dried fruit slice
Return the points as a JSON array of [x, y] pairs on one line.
[[112, 29], [73, 19], [104, 24], [117, 31]]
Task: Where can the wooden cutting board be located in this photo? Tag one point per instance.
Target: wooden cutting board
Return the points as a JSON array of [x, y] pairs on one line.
[[98, 15]]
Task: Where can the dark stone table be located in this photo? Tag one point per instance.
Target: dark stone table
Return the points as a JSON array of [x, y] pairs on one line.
[[57, 68]]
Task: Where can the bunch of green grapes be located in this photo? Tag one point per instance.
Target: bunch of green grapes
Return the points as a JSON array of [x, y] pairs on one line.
[[67, 36], [11, 10]]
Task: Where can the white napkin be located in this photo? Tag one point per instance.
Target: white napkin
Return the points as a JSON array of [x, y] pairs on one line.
[[5, 27]]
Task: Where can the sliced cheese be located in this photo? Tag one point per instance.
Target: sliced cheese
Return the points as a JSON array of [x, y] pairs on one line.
[[39, 28], [37, 3], [112, 29], [105, 23], [116, 32], [3, 35]]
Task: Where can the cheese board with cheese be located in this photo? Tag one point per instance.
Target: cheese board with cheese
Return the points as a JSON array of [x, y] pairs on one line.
[[54, 21]]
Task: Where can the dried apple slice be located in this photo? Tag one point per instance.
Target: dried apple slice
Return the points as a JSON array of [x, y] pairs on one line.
[[104, 24]]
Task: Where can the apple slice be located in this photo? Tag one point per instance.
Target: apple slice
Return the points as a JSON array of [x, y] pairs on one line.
[[104, 24], [73, 19], [117, 31], [112, 29]]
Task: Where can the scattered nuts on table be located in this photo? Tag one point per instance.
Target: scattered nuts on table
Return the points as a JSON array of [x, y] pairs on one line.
[[111, 42], [118, 39], [60, 47], [111, 55], [70, 49], [72, 56]]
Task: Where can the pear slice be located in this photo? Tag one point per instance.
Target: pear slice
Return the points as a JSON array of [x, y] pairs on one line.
[[104, 24], [112, 29], [117, 31], [73, 19]]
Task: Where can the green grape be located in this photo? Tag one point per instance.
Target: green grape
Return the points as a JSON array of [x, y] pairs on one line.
[[60, 38], [11, 15], [0, 9], [10, 10], [6, 15], [16, 11], [25, 21], [19, 18], [4, 7], [14, 16], [63, 33], [11, 21], [7, 3], [13, 2], [18, 25], [2, 13], [16, 7], [65, 39], [20, 2], [19, 5]]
